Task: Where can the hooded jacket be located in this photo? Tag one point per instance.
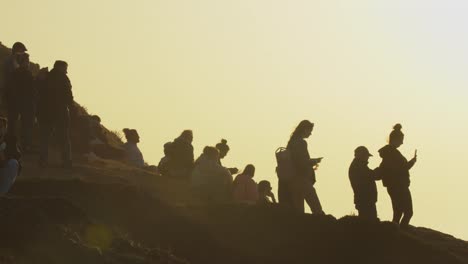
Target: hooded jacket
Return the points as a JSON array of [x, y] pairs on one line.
[[394, 168]]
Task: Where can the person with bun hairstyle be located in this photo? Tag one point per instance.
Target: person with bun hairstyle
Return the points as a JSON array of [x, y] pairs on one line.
[[394, 171], [223, 149], [302, 185]]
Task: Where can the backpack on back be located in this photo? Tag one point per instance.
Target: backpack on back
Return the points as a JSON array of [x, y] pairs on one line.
[[284, 168]]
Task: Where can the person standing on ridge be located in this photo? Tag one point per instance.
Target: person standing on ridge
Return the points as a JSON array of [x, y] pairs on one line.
[[362, 180], [57, 99], [10, 65], [21, 101], [303, 181], [396, 177]]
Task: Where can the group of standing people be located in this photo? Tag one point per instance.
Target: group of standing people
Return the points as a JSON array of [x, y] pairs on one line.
[[46, 97], [296, 173]]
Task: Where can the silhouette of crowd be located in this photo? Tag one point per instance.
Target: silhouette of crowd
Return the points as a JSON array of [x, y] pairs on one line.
[[48, 98]]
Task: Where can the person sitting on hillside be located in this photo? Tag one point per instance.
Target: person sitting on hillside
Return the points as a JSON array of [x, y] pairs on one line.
[[244, 187], [182, 161], [133, 154], [223, 149], [210, 181], [362, 180], [21, 97], [55, 104], [265, 194], [10, 163], [165, 163]]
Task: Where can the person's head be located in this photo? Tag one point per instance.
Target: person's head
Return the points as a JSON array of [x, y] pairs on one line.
[[95, 118], [131, 135], [396, 136], [223, 148], [23, 61], [187, 135], [61, 66], [303, 130], [249, 170], [18, 47], [362, 153], [167, 149], [211, 153], [264, 188]]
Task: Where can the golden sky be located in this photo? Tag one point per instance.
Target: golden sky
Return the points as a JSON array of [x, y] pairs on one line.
[[250, 70]]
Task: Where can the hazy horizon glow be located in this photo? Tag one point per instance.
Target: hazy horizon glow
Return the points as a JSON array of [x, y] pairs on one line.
[[249, 71]]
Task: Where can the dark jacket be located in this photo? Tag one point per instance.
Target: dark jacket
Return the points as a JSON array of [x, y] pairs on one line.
[[300, 158], [55, 95], [182, 156], [394, 167], [362, 180], [20, 88]]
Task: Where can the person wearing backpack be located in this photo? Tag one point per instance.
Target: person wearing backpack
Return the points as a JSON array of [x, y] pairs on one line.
[[302, 184], [396, 177]]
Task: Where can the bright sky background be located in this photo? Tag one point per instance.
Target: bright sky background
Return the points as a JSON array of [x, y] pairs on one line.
[[250, 70]]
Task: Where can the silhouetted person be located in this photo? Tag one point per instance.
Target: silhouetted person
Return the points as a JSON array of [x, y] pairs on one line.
[[395, 176], [10, 163], [302, 184], [11, 64], [223, 149], [182, 156], [265, 194], [165, 162], [210, 181], [21, 97], [56, 101], [133, 155], [362, 180], [244, 188]]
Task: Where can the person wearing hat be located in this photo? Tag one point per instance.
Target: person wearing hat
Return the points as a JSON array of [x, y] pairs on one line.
[[362, 180], [11, 64]]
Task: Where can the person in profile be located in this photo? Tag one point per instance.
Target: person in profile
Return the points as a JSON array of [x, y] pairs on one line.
[[362, 180], [133, 155], [182, 156], [302, 184], [165, 162], [223, 149], [10, 163], [210, 181], [244, 187], [21, 97], [56, 102], [394, 169], [265, 193]]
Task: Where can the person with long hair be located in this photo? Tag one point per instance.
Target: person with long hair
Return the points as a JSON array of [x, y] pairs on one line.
[[394, 170], [302, 185], [245, 189]]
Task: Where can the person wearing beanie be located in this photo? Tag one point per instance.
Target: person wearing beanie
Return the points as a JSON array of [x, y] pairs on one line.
[[394, 169], [362, 180]]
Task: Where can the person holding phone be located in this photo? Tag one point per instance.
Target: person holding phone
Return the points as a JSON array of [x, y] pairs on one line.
[[302, 186], [394, 171]]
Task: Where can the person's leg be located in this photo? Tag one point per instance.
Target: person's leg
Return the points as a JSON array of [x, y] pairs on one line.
[[45, 130], [13, 115], [63, 134], [312, 199], [297, 194], [284, 193], [27, 126], [407, 208], [396, 205]]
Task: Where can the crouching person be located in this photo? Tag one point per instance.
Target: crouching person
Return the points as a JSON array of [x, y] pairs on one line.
[[265, 193], [362, 180], [10, 166]]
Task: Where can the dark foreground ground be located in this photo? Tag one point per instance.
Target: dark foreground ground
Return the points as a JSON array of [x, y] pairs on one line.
[[107, 213]]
